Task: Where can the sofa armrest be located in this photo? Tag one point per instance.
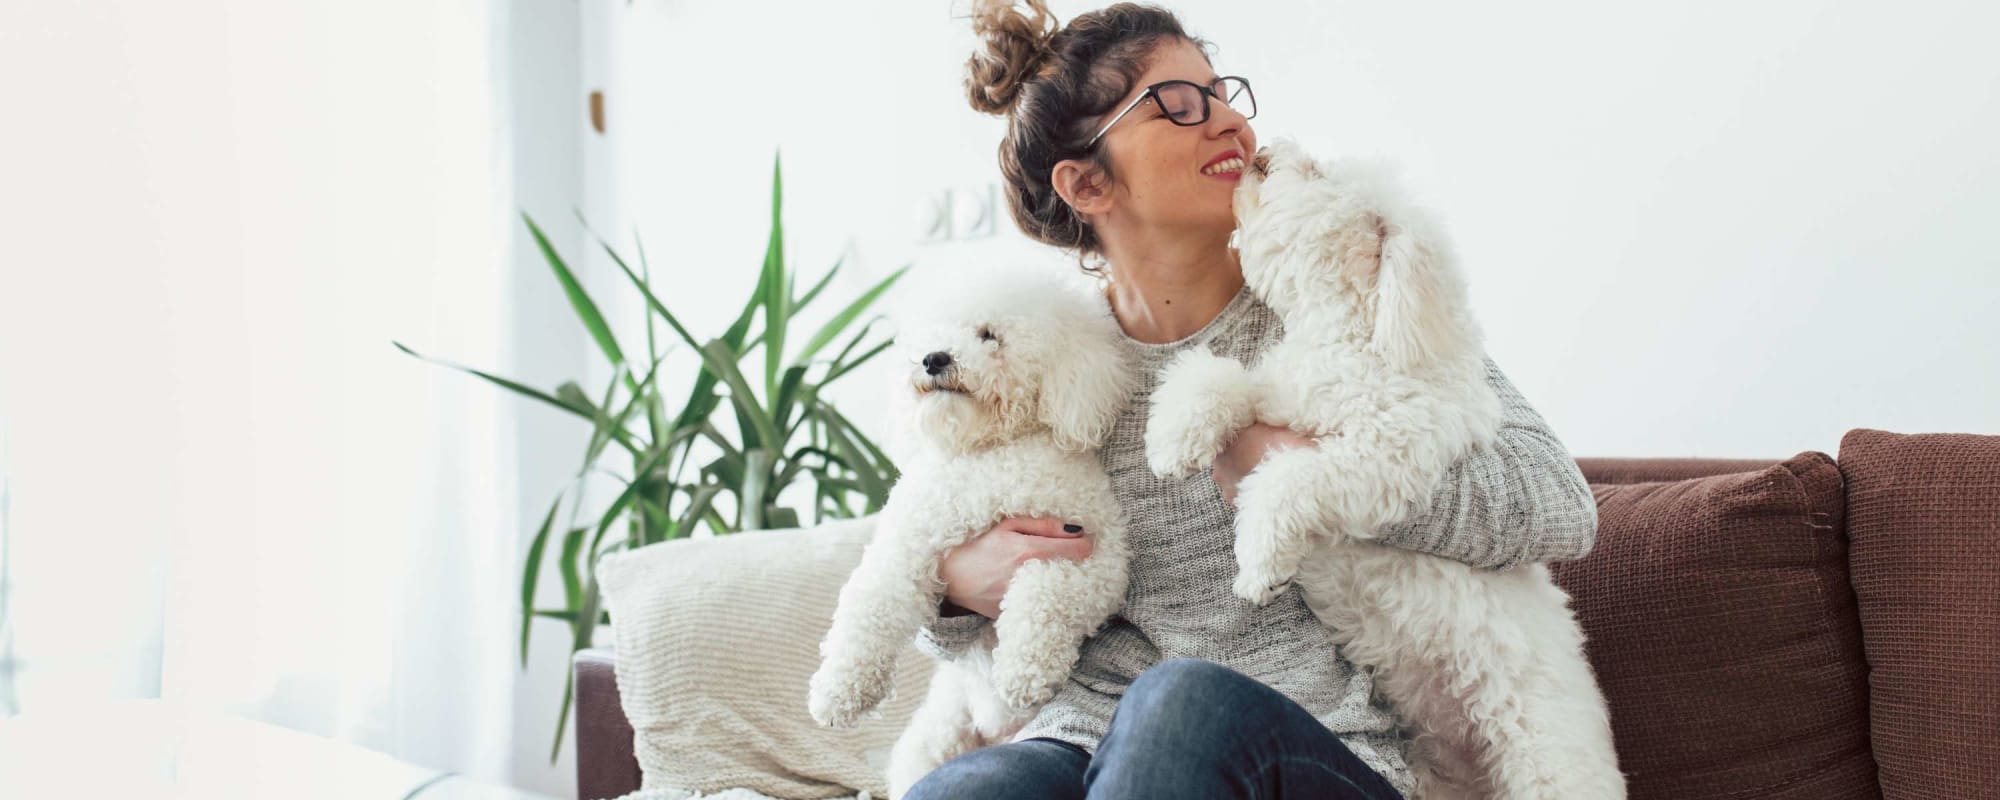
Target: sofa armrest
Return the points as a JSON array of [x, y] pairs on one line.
[[605, 765]]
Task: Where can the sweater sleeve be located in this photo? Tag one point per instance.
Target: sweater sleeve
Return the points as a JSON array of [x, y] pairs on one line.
[[946, 638], [1521, 500]]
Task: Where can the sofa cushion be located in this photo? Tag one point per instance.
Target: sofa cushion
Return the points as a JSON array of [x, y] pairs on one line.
[[1656, 470], [1719, 620], [716, 640], [1924, 516]]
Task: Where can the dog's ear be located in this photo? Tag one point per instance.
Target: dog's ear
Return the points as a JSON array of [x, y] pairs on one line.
[[1083, 391], [1417, 299]]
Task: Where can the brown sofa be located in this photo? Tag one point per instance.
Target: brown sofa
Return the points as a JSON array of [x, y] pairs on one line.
[[1797, 628]]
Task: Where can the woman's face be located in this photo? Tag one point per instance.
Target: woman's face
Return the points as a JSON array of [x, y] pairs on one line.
[[1159, 164]]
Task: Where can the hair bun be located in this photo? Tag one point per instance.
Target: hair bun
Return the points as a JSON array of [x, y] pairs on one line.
[[1016, 47]]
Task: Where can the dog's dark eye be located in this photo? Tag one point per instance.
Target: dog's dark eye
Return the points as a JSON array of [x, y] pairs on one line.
[[986, 334]]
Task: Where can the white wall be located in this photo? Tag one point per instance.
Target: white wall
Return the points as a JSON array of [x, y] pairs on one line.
[[544, 130], [1716, 229], [228, 489]]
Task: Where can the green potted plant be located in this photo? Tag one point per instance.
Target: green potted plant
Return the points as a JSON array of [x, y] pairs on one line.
[[783, 435]]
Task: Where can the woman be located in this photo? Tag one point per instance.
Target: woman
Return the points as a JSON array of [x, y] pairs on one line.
[[1191, 692]]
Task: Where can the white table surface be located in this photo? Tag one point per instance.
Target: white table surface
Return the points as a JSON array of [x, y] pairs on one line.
[[150, 749]]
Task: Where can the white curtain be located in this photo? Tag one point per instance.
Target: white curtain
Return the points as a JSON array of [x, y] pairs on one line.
[[225, 486]]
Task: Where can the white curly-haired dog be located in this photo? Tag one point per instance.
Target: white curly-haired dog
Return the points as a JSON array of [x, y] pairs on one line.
[[1015, 380], [1382, 364]]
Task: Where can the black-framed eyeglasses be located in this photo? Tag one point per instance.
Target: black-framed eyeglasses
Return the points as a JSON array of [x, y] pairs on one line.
[[1186, 102]]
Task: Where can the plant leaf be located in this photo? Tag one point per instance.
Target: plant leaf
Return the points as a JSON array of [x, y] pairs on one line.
[[864, 472], [572, 584], [562, 716], [863, 334], [586, 310], [778, 517], [787, 396], [777, 300], [840, 321], [526, 391], [720, 361], [601, 421], [727, 470], [699, 501], [652, 343], [701, 402], [721, 442], [734, 336], [756, 485], [531, 575], [624, 498], [569, 617], [656, 518], [583, 628], [599, 437], [848, 367], [573, 394], [646, 291], [889, 472], [797, 464], [802, 302]]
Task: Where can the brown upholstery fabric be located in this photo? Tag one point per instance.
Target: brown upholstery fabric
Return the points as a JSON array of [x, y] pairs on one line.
[[604, 763], [1924, 516], [1723, 631], [1648, 470]]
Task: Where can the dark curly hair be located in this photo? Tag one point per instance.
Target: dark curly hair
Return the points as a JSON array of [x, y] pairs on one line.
[[1051, 85]]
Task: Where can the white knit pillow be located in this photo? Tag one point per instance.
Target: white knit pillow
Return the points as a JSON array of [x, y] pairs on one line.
[[716, 639]]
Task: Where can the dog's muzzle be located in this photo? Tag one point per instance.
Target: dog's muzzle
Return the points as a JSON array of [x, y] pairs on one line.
[[936, 363], [1261, 162], [940, 374]]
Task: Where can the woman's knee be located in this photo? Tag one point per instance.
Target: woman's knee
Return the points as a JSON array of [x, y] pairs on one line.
[[1185, 669], [1036, 768], [1192, 685], [1181, 698]]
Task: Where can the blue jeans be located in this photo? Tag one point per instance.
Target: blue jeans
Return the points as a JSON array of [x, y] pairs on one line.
[[1186, 728]]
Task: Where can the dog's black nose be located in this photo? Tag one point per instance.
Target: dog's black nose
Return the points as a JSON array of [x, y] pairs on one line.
[[936, 362]]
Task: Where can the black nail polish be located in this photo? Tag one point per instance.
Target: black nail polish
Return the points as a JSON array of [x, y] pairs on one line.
[[1073, 528]]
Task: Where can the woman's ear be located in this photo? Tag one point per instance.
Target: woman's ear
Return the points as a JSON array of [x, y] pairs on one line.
[[1081, 185]]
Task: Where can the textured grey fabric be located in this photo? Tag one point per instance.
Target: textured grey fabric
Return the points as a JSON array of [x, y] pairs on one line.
[[1522, 500]]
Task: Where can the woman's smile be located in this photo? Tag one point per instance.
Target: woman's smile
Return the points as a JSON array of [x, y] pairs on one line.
[[1228, 168]]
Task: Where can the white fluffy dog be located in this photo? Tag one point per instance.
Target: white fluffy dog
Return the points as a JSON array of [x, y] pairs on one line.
[[1382, 364], [1015, 381]]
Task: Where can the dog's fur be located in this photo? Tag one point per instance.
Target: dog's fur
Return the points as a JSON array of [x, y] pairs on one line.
[[1382, 364], [1010, 428]]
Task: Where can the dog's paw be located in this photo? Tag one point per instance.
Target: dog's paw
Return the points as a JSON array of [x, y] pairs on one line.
[[1202, 400], [1258, 586], [834, 706], [836, 711], [1022, 690], [1167, 463]]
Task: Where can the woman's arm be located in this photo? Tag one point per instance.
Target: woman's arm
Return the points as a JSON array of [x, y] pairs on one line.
[[1521, 500], [975, 576]]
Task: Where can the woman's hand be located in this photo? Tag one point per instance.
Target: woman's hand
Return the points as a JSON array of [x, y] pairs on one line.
[[1247, 450], [977, 572]]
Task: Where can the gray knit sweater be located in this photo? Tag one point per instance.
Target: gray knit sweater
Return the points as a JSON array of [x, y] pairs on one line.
[[1521, 500]]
